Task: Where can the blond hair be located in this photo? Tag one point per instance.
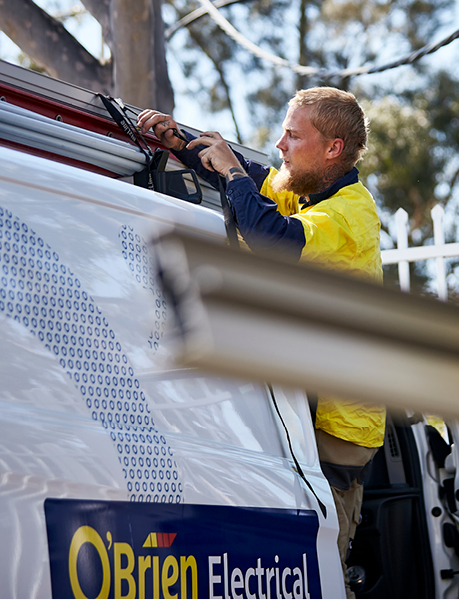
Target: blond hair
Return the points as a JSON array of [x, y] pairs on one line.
[[336, 114]]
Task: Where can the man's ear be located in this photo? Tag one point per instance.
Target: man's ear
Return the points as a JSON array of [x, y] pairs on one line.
[[335, 148]]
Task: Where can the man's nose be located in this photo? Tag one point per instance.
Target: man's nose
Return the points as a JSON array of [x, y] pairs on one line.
[[281, 143]]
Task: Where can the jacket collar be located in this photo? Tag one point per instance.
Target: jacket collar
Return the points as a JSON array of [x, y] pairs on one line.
[[348, 179]]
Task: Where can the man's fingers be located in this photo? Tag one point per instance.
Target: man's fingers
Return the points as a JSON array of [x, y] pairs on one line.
[[194, 143], [211, 134], [146, 113], [163, 126], [206, 159], [208, 138], [145, 119], [150, 119]]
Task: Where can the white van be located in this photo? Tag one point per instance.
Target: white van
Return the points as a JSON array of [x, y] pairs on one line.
[[120, 477]]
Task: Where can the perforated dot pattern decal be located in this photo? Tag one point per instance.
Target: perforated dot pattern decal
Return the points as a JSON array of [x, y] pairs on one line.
[[142, 266], [39, 291]]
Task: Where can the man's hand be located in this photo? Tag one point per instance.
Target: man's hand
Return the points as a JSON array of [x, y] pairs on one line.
[[217, 155], [163, 126]]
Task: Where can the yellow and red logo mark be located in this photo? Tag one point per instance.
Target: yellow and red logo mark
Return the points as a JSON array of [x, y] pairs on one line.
[[159, 540]]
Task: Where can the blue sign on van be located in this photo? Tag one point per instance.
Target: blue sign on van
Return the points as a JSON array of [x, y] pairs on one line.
[[145, 550]]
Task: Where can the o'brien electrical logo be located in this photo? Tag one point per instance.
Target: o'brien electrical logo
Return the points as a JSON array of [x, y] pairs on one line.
[[140, 550]]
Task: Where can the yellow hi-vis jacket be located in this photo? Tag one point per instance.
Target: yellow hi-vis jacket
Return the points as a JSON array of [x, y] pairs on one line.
[[338, 228], [341, 232]]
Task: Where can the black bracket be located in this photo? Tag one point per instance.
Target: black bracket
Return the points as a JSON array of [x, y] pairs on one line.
[[171, 183]]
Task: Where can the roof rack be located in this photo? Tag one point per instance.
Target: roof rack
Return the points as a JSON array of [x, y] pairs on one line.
[[61, 121]]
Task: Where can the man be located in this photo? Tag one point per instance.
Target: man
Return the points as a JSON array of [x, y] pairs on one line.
[[316, 208]]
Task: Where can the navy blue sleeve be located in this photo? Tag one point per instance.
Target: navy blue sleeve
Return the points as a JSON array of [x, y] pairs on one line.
[[262, 226], [260, 223], [191, 159]]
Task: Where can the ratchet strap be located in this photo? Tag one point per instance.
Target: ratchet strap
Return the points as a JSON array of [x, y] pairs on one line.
[[118, 110], [230, 224]]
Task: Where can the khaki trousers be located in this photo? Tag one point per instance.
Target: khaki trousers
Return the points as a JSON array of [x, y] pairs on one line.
[[335, 456]]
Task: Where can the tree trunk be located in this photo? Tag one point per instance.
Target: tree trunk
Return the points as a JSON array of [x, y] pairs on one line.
[[51, 46], [138, 53], [134, 31], [302, 80]]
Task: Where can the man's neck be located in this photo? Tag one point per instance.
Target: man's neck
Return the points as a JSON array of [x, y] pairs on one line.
[[331, 175], [347, 179]]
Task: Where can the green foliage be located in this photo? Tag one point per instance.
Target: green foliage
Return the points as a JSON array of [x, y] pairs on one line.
[[226, 77], [332, 35], [412, 162], [413, 140], [400, 156]]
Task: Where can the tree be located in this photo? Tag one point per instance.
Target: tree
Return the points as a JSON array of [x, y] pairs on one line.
[[133, 30]]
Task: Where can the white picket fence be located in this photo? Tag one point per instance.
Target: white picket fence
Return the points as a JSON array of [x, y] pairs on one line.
[[404, 255]]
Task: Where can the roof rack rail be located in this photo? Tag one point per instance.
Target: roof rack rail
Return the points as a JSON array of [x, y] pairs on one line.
[[59, 120]]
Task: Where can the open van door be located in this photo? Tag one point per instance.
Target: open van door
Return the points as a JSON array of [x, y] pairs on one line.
[[391, 555]]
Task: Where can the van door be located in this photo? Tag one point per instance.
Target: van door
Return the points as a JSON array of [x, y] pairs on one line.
[[399, 550]]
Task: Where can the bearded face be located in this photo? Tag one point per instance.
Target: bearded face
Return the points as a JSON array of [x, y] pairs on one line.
[[304, 151], [300, 181]]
